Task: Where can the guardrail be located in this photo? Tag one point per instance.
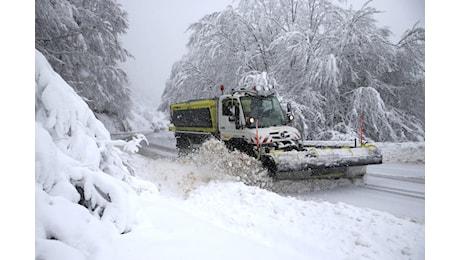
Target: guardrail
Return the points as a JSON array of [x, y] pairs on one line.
[[124, 135]]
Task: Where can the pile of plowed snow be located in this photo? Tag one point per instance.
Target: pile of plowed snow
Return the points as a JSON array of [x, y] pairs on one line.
[[213, 154], [212, 162]]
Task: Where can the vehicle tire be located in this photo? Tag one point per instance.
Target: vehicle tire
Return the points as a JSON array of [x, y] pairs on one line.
[[270, 165], [183, 145]]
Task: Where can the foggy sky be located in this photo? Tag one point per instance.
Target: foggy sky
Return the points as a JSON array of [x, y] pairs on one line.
[[157, 35]]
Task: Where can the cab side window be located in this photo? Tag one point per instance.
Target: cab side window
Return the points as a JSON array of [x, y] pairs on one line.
[[227, 107]]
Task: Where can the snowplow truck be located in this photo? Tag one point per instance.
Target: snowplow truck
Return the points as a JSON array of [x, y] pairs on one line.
[[255, 123]]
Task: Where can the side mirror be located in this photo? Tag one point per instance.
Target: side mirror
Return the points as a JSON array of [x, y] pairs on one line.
[[290, 116]]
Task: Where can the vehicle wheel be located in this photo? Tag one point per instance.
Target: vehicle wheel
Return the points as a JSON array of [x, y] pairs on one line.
[[183, 145], [270, 165]]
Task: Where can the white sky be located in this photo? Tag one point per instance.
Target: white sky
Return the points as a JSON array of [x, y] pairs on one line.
[[157, 37]]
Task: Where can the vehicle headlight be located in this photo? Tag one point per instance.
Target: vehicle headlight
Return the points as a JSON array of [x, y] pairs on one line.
[[249, 120]]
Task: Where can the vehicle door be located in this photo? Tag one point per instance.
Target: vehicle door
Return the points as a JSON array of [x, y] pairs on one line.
[[229, 118]]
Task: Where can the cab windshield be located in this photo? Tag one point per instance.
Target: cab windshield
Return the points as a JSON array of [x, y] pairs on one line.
[[266, 110]]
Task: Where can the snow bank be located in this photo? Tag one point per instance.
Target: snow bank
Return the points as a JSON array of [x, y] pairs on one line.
[[407, 152], [314, 230], [205, 212], [84, 190]]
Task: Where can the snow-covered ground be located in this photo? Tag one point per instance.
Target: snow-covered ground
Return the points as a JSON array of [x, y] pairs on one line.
[[210, 206], [256, 223]]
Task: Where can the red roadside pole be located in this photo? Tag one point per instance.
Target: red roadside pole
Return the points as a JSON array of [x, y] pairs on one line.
[[257, 133], [361, 129]]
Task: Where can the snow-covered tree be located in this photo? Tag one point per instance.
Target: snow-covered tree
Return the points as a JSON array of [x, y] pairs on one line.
[[333, 64], [84, 187], [81, 41], [410, 74]]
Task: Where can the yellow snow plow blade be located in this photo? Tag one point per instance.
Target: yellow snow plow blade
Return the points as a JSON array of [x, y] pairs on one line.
[[322, 162]]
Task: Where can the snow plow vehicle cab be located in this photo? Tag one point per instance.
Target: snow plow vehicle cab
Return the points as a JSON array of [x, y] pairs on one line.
[[254, 122]]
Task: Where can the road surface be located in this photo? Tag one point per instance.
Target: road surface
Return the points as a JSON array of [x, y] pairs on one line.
[[395, 188]]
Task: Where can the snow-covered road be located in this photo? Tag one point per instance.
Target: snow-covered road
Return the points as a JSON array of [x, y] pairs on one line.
[[396, 188]]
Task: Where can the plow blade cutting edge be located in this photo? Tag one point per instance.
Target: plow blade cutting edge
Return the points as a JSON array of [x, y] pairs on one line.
[[322, 162]]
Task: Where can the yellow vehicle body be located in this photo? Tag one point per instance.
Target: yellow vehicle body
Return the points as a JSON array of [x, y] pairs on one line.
[[195, 116]]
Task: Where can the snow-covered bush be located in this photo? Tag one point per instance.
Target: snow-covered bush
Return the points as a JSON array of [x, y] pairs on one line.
[[140, 118], [81, 179], [145, 118]]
